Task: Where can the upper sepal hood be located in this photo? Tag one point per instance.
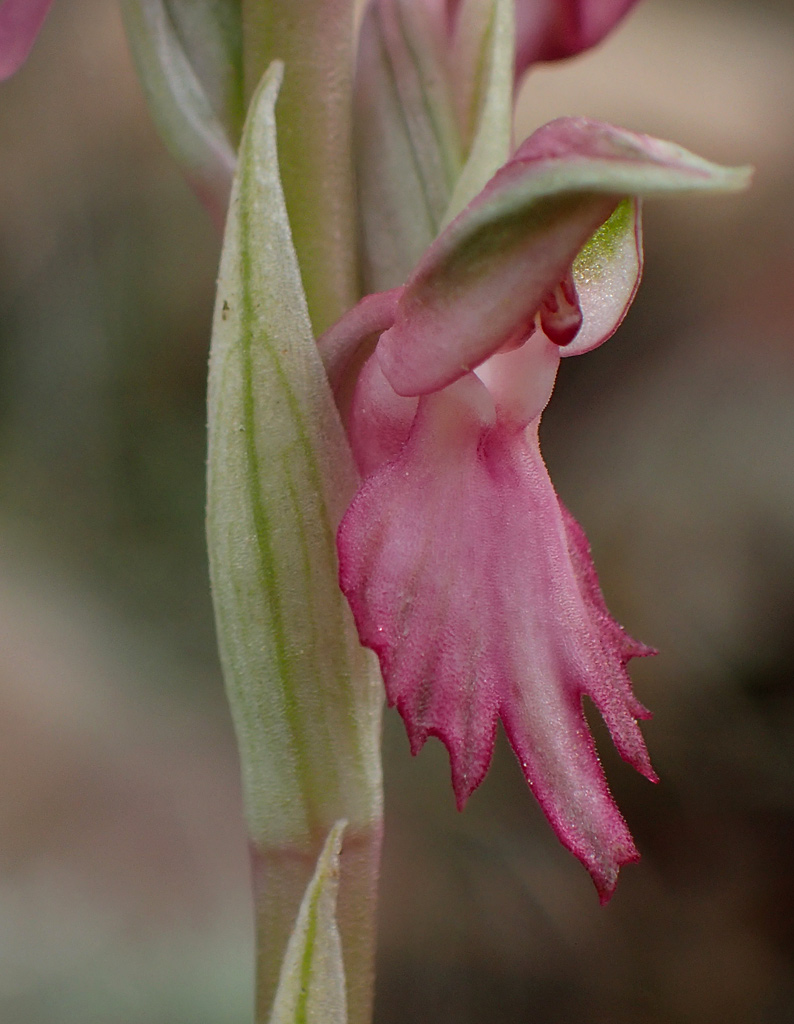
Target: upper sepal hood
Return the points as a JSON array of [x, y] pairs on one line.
[[484, 279], [20, 21]]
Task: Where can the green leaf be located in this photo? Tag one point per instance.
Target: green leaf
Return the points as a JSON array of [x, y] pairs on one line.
[[311, 987], [305, 697]]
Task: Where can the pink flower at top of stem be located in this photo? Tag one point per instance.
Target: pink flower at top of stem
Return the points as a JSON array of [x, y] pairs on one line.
[[465, 573]]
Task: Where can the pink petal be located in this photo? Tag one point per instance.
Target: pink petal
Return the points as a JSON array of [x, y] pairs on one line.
[[483, 280], [582, 562], [520, 380], [476, 590], [365, 322], [451, 8], [551, 29], [379, 422], [20, 21], [613, 701]]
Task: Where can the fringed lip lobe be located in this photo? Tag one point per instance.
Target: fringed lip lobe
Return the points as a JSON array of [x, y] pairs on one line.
[[475, 589]]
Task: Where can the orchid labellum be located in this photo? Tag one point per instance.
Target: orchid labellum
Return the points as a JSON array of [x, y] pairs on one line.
[[465, 573]]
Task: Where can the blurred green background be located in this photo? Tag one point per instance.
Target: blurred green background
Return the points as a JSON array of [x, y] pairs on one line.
[[123, 875]]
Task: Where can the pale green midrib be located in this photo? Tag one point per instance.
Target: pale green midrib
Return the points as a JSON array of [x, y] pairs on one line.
[[308, 957], [262, 526], [233, 673], [239, 696], [303, 544], [451, 172], [392, 77]]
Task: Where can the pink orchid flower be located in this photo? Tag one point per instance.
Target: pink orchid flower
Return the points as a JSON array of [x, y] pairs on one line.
[[20, 21], [465, 573]]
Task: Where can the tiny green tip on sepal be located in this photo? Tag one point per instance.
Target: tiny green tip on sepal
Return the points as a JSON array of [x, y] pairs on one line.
[[311, 986]]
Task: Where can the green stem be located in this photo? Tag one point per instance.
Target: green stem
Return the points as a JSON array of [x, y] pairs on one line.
[[314, 38], [304, 695]]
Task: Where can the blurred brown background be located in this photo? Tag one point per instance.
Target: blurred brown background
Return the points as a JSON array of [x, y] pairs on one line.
[[123, 878]]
